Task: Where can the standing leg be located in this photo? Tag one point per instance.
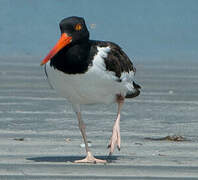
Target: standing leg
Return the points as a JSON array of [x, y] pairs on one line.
[[115, 138], [89, 158]]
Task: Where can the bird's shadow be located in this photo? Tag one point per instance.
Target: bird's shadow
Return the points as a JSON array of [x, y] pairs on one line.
[[109, 159]]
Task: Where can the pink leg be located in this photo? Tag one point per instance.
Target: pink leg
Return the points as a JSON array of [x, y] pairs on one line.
[[115, 138], [89, 158]]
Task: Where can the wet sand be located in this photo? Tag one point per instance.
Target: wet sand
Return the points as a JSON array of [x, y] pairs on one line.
[[39, 135]]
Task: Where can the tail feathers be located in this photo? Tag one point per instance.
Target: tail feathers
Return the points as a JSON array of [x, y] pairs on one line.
[[136, 86], [136, 92]]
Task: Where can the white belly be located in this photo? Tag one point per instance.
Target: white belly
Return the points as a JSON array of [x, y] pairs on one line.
[[95, 86]]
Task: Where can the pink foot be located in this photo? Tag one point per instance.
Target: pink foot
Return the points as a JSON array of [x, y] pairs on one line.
[[90, 159], [115, 138]]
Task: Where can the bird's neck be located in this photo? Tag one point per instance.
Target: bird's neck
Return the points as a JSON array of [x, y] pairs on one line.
[[73, 59]]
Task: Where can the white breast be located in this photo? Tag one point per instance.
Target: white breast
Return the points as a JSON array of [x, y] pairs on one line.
[[94, 86]]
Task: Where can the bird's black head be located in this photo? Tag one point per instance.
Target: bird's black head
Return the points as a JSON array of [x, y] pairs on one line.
[[73, 30], [74, 27]]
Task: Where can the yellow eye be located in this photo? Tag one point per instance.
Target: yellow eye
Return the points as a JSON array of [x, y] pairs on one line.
[[78, 27]]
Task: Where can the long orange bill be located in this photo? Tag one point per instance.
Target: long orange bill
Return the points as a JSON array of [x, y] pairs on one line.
[[62, 42]]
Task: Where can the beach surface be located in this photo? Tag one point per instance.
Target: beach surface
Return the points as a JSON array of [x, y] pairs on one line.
[[40, 139]]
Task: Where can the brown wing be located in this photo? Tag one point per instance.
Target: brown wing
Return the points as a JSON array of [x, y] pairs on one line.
[[117, 61]]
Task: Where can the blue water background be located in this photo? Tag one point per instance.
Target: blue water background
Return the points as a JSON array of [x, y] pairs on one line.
[[159, 30]]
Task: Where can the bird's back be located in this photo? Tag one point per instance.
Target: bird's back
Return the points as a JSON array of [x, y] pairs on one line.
[[119, 64]]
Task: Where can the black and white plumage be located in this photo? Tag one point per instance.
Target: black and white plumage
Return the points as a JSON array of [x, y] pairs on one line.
[[90, 72]]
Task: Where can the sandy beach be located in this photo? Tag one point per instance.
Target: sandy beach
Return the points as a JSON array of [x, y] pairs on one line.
[[39, 135]]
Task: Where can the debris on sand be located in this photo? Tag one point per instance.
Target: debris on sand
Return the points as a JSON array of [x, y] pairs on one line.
[[168, 138], [19, 139], [83, 145], [137, 143], [68, 140]]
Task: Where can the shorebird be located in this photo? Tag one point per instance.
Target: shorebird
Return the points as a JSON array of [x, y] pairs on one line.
[[87, 71]]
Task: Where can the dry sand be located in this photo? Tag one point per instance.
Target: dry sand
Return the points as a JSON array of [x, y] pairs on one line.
[[39, 136]]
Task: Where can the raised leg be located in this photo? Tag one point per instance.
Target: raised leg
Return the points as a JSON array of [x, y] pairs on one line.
[[89, 158], [115, 138]]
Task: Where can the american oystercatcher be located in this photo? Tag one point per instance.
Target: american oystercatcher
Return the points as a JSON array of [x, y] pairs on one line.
[[90, 72]]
